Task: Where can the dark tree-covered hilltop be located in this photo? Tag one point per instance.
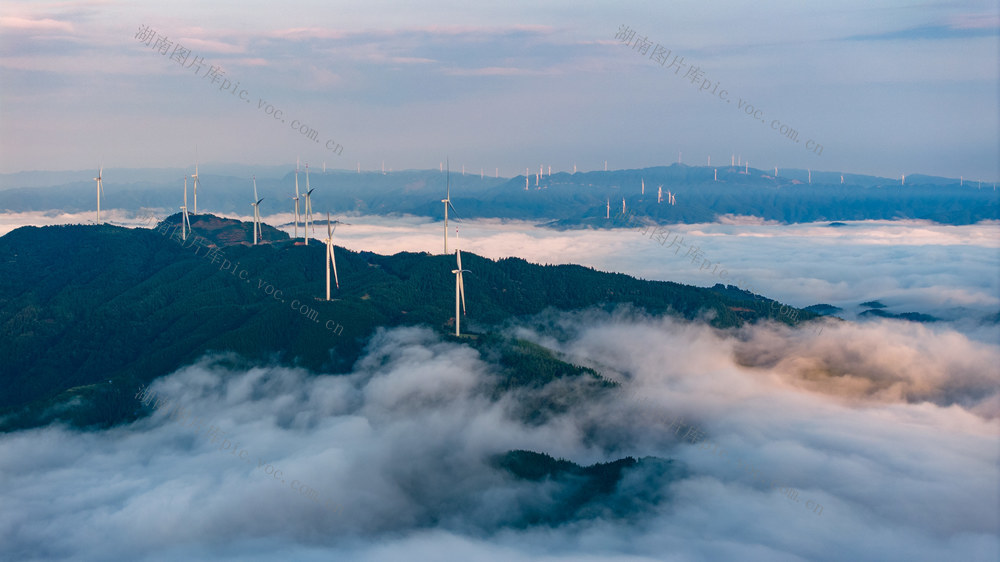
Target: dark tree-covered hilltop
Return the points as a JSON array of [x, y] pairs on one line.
[[93, 312]]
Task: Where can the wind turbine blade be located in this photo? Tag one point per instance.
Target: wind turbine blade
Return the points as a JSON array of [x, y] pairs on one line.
[[333, 261], [458, 254], [461, 290]]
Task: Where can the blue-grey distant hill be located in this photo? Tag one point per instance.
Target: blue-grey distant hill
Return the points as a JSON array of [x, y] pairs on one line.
[[561, 200]]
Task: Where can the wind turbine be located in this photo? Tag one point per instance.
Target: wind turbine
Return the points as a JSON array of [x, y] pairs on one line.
[[459, 291], [257, 231], [296, 198], [608, 212], [329, 258], [185, 222], [100, 191], [194, 178], [659, 194], [643, 187], [447, 203], [308, 209]]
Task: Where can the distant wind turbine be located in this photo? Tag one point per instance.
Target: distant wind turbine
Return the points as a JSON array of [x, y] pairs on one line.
[[296, 198], [643, 187], [459, 292], [257, 231], [447, 203], [607, 214], [659, 194], [197, 182], [329, 257], [308, 209], [100, 190], [185, 221]]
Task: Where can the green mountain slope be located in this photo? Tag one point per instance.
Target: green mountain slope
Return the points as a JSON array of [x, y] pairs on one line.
[[93, 312]]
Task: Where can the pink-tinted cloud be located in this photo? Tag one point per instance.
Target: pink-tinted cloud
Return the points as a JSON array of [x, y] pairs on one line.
[[35, 25]]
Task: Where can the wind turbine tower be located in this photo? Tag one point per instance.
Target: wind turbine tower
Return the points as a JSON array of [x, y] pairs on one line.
[[194, 178], [447, 203], [296, 198], [459, 292], [329, 258], [258, 233], [308, 209], [659, 194], [185, 222], [100, 190]]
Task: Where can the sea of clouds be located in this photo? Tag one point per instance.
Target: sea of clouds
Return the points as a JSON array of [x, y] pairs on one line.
[[892, 427]]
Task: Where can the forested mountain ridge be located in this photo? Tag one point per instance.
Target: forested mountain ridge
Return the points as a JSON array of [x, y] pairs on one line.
[[566, 200], [93, 312]]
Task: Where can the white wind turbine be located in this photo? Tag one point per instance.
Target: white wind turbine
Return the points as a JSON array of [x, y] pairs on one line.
[[194, 178], [100, 191], [257, 231], [459, 290], [447, 203], [659, 194], [185, 222], [308, 208], [329, 258], [296, 198]]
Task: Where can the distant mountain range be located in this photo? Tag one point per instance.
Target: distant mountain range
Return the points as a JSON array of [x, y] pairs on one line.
[[89, 313], [562, 200]]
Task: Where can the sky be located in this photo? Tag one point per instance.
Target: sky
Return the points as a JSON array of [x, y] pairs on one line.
[[890, 89]]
